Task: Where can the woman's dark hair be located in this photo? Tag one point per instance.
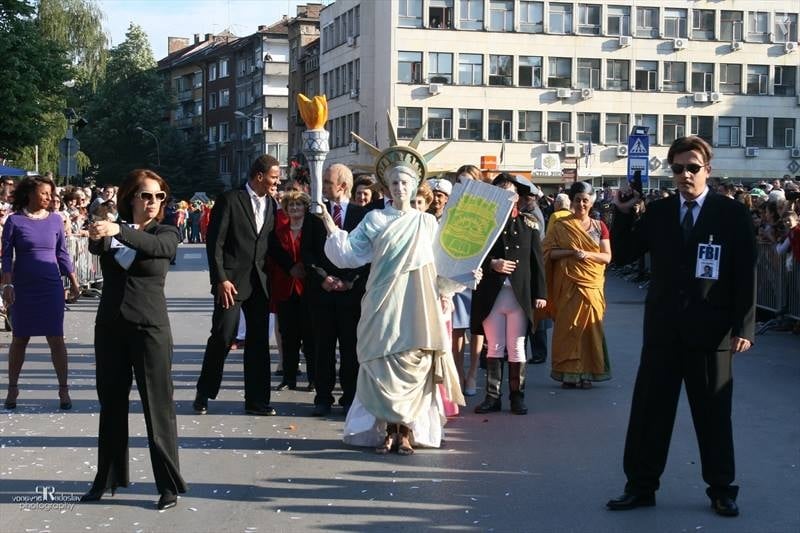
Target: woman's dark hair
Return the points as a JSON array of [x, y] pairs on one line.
[[580, 187], [503, 178], [27, 187], [131, 185]]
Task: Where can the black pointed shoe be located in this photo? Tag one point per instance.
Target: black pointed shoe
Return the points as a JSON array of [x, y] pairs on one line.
[[167, 501], [725, 506], [200, 404], [629, 501]]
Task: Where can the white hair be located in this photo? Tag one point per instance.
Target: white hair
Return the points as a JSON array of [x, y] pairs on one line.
[[561, 201]]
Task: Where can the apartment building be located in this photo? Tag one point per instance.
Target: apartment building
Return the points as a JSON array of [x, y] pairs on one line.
[[553, 88]]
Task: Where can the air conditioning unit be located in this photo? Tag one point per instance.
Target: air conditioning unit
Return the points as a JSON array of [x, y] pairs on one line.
[[789, 47], [796, 153], [434, 88], [573, 150], [736, 45], [353, 147], [354, 93], [678, 44], [622, 151], [554, 147], [625, 40], [587, 93], [564, 93], [701, 97], [751, 151], [714, 97], [351, 41]]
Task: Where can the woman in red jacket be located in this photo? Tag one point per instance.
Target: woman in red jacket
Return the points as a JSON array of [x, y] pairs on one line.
[[287, 293]]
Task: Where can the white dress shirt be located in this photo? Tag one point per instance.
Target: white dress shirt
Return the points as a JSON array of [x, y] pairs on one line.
[[696, 210], [259, 204]]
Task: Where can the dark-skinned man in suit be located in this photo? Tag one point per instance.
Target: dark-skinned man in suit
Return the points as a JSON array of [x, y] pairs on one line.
[[240, 236], [693, 324]]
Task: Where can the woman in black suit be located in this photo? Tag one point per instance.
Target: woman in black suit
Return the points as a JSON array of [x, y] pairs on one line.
[[133, 337]]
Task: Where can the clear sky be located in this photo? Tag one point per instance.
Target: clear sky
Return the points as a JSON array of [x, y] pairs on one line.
[[183, 18]]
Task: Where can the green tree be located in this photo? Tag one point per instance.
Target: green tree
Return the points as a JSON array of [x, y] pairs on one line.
[[33, 69]]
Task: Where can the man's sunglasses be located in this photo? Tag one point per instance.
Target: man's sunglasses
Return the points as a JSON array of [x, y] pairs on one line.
[[693, 168], [159, 196]]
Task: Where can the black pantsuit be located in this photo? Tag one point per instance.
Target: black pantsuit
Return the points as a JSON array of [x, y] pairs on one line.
[[133, 338], [295, 328]]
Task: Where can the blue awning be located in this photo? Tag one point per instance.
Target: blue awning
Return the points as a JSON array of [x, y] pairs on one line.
[[11, 171]]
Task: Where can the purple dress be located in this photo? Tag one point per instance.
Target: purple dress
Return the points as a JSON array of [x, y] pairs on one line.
[[36, 252]]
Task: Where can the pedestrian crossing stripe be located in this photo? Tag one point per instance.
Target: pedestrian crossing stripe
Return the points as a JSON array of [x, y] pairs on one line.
[[638, 148]]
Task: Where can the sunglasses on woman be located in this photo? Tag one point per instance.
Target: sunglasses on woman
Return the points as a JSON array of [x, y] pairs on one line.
[[693, 168], [159, 196]]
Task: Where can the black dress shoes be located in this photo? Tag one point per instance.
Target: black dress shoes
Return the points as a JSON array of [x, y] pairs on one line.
[[200, 404], [259, 410], [167, 501], [537, 359], [725, 506], [94, 495], [631, 501], [285, 386], [321, 410]]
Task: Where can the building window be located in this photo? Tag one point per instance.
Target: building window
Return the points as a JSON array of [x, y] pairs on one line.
[[675, 23], [501, 15], [617, 74], [757, 79], [728, 131], [501, 70], [409, 14], [589, 19], [223, 132], [530, 71], [531, 16], [440, 67], [783, 132], [559, 127], [674, 76], [560, 18], [470, 69], [409, 121], [703, 24], [651, 123], [785, 30], [646, 22], [470, 124], [224, 97], [616, 128], [618, 20], [730, 78], [223, 164], [756, 131], [730, 26], [500, 125], [409, 67], [213, 100], [588, 127], [758, 26], [702, 77], [559, 72], [212, 135], [703, 127], [471, 15], [223, 68], [440, 123], [785, 79], [530, 126], [588, 73], [646, 76], [674, 127], [212, 72], [440, 14]]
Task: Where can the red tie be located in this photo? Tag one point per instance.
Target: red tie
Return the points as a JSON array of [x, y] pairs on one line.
[[337, 215]]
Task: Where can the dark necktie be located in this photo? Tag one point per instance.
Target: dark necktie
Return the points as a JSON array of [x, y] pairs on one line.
[[337, 215], [688, 219]]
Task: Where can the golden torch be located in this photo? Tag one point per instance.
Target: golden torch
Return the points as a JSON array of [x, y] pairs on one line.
[[315, 142]]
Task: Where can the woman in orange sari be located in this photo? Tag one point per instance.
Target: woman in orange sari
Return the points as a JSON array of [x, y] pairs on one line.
[[576, 252]]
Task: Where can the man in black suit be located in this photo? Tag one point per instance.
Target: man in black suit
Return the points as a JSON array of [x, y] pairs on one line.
[[693, 324], [334, 294], [239, 238]]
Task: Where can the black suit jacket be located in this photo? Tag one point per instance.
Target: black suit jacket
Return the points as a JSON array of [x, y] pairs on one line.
[[136, 294], [313, 251], [236, 252], [704, 313], [519, 241]]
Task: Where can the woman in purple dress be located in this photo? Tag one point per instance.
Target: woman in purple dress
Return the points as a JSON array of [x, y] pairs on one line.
[[34, 259]]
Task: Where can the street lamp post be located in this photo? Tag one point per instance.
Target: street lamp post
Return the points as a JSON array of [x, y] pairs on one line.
[[155, 138]]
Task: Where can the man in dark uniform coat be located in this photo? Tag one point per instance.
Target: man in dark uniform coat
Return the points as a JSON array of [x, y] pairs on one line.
[[334, 294], [239, 238], [692, 325]]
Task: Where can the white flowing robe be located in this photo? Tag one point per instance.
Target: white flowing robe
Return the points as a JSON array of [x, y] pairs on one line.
[[403, 346]]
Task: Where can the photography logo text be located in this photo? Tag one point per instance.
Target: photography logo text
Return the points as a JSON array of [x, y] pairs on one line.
[[47, 498]]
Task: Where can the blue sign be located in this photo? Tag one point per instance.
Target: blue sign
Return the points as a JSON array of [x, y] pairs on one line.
[[639, 155]]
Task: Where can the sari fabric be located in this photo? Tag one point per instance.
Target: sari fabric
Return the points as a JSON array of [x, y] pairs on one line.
[[576, 304]]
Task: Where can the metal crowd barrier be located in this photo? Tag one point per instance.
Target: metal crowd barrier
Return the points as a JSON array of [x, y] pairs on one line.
[[778, 287], [87, 265]]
